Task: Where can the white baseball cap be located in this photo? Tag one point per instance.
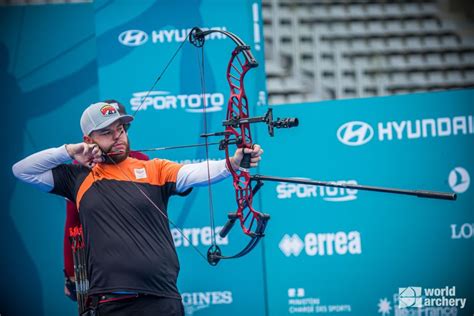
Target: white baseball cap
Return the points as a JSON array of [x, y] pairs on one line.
[[100, 115]]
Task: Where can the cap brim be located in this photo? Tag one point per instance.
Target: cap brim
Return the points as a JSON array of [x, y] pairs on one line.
[[125, 119]]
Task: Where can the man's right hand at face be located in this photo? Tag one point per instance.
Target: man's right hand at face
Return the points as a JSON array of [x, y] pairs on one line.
[[86, 154]]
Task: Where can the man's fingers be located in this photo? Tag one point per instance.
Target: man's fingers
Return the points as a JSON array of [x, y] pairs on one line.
[[256, 151], [96, 151], [92, 152], [254, 161], [85, 151]]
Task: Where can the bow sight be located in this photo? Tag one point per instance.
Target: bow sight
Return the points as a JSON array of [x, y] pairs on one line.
[[288, 122], [236, 122]]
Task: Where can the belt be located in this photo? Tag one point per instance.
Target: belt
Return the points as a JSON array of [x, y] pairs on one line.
[[113, 297], [94, 301]]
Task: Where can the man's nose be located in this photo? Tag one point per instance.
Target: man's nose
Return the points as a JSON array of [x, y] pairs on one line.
[[117, 134]]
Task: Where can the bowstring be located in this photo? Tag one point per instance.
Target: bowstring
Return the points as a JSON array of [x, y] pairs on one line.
[[162, 73], [200, 62], [158, 78]]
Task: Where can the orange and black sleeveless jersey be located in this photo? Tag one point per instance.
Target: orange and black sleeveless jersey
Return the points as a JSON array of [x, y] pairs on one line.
[[129, 246]]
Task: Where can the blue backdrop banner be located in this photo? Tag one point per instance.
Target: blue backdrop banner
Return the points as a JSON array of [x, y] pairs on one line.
[[49, 75], [326, 250], [355, 252]]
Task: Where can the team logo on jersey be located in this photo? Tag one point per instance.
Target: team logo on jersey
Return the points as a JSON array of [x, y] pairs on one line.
[[108, 109], [140, 173]]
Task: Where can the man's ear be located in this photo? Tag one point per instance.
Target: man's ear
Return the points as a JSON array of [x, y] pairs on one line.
[[87, 139]]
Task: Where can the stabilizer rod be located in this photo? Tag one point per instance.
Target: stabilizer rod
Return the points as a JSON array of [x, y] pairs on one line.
[[418, 193]]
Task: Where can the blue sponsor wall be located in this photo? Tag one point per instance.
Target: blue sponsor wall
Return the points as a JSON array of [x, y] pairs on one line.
[[350, 251], [49, 72], [326, 250]]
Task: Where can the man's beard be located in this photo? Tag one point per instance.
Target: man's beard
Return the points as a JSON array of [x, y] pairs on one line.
[[117, 156]]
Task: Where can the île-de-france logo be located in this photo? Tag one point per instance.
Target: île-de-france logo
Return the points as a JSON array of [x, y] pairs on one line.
[[108, 109]]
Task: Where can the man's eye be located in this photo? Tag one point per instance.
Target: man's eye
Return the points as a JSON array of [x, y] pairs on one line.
[[105, 133]]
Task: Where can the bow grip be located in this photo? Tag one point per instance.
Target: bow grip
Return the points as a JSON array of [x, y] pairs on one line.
[[245, 163], [228, 225]]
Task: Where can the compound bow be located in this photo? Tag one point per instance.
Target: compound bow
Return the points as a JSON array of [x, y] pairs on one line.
[[237, 131]]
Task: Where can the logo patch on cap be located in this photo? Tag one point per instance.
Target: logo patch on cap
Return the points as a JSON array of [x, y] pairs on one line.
[[107, 110]]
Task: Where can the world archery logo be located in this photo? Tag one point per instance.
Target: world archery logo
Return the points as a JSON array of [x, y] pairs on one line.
[[133, 38], [409, 297], [107, 110], [355, 133], [459, 180]]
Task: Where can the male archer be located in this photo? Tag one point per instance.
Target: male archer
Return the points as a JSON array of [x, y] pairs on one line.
[[72, 221], [131, 259]]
